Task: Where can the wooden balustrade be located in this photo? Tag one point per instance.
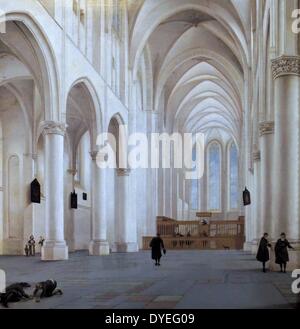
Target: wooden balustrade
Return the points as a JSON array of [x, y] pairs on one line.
[[172, 228], [181, 235], [217, 243]]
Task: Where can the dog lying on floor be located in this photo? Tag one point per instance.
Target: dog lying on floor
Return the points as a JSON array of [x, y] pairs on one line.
[[46, 289], [14, 293]]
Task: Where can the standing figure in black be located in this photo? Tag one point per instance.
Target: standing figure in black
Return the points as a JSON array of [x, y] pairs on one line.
[[281, 252], [263, 255], [157, 245]]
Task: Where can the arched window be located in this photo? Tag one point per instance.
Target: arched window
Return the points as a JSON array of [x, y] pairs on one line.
[[116, 36], [115, 71], [77, 175], [194, 187], [117, 16], [214, 177], [233, 176], [139, 95]]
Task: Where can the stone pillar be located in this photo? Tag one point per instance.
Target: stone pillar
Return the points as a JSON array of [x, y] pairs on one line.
[[286, 74], [285, 210], [256, 216], [55, 247], [182, 182], [99, 245], [286, 159], [127, 228], [70, 213], [31, 209], [225, 209], [266, 130], [167, 192], [1, 191], [1, 220]]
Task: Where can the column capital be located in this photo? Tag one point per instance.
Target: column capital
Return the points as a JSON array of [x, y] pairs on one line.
[[256, 156], [53, 128], [285, 65], [72, 172], [123, 172], [94, 155], [266, 128]]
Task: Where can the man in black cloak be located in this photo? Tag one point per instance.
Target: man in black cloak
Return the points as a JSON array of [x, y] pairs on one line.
[[281, 252], [157, 245], [14, 293], [263, 251]]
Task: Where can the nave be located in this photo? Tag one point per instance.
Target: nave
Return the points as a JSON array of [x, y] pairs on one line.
[[186, 280]]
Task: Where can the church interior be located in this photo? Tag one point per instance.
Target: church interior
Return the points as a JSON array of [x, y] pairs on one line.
[[71, 70]]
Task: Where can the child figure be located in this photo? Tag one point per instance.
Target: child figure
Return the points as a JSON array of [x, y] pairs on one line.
[[31, 244], [26, 250], [41, 241]]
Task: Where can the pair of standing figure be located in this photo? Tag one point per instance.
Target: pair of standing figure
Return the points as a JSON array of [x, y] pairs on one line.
[[30, 247], [281, 251]]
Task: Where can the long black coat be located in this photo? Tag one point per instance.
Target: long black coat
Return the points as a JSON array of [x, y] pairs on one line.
[[281, 251], [157, 245], [263, 251]]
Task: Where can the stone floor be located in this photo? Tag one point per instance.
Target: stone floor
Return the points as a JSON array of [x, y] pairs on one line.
[[186, 280]]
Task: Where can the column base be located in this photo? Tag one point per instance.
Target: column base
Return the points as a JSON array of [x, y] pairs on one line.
[[99, 248], [12, 247], [254, 247], [71, 246], [247, 246], [53, 250], [126, 247], [294, 256]]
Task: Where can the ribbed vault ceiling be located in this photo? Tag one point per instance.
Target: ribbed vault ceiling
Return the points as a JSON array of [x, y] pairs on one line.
[[199, 54]]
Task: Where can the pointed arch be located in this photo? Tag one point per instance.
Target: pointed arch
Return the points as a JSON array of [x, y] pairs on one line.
[[42, 63]]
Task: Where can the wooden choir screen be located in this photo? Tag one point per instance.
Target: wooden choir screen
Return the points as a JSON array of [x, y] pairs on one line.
[[215, 235]]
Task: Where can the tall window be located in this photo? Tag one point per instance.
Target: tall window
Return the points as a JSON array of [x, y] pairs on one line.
[[116, 45], [139, 95], [117, 6], [194, 187], [115, 64], [77, 175], [214, 177], [233, 175]]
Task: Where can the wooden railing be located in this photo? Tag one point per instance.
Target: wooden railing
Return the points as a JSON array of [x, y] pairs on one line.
[[216, 243], [214, 235], [171, 228], [226, 228]]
